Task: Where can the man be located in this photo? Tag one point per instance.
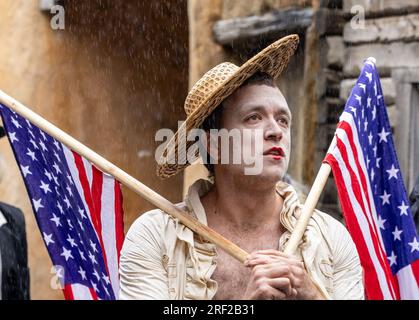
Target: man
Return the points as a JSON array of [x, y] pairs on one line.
[[14, 272], [162, 259]]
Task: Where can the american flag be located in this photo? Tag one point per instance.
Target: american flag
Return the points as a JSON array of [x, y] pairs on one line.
[[78, 209], [372, 193]]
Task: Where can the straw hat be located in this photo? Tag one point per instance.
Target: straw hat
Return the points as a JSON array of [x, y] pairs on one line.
[[213, 88]]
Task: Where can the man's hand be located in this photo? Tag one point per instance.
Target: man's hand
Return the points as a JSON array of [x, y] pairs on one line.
[[277, 276]]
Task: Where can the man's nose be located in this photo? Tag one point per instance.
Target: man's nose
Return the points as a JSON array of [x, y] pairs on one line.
[[273, 130]]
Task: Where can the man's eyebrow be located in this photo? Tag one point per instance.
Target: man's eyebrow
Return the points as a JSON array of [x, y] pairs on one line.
[[256, 107], [252, 107]]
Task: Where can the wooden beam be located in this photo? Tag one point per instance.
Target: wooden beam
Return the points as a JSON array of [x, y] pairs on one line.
[[270, 25]]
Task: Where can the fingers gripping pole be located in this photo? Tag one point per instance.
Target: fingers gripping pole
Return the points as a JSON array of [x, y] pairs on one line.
[[308, 209]]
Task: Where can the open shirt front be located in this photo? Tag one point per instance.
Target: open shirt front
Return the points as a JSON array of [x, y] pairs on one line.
[[163, 259]]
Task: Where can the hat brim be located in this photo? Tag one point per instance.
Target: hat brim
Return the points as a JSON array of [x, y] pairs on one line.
[[271, 60]]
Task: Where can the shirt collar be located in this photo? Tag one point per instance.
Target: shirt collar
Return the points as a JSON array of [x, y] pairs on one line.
[[285, 190], [3, 220]]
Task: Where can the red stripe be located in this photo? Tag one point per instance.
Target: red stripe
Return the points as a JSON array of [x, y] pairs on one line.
[[372, 287], [357, 190], [374, 236], [119, 221], [68, 292], [93, 293], [93, 204], [97, 187], [415, 270], [348, 129], [96, 192], [85, 185]]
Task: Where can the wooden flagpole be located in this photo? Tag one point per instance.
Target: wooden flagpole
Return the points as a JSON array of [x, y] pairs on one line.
[[308, 209], [123, 177], [309, 205]]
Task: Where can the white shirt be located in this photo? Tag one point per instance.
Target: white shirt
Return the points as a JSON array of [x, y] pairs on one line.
[[163, 259]]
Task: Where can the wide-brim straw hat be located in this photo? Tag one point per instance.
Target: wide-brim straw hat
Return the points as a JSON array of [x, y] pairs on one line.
[[213, 88]]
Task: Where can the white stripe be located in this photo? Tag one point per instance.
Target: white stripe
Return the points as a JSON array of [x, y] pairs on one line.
[[363, 224], [348, 118], [81, 292], [71, 162], [89, 171], [109, 231], [409, 289], [343, 137], [370, 213]]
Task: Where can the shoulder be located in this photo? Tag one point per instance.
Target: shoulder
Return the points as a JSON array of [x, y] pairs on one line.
[[336, 235], [152, 226], [15, 220], [332, 224], [333, 231], [12, 214], [344, 266], [150, 220], [149, 228], [150, 237]]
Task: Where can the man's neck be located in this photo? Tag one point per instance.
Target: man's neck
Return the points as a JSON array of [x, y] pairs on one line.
[[243, 206]]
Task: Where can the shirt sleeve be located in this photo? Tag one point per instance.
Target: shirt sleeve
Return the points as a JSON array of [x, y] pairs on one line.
[[141, 270], [348, 274]]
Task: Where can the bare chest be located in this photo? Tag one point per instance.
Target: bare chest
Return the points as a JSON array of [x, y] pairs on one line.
[[231, 275]]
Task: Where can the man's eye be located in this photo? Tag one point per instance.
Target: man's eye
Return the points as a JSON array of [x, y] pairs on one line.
[[283, 120], [253, 117]]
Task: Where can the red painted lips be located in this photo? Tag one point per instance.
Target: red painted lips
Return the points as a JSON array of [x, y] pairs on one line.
[[276, 152]]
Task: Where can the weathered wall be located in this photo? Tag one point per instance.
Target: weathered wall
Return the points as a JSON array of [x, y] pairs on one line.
[[238, 8], [390, 33], [204, 51], [115, 75]]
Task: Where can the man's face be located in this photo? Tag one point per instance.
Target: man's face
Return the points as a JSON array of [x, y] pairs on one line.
[[260, 108]]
